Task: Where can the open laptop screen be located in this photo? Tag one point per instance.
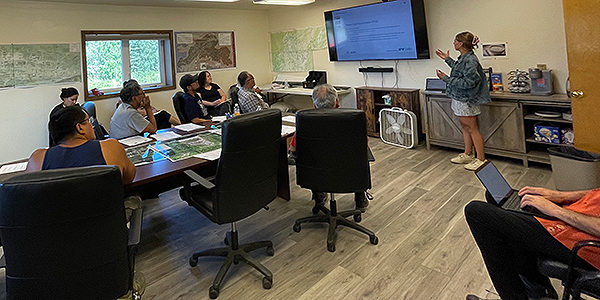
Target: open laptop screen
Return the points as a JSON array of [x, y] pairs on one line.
[[493, 181]]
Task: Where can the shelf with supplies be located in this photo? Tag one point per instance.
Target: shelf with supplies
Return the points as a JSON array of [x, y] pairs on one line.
[[373, 99], [508, 124]]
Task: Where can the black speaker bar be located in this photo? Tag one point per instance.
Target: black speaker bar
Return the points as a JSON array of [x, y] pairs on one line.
[[376, 70]]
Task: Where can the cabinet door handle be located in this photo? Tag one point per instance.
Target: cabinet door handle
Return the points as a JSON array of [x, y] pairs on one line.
[[577, 94]]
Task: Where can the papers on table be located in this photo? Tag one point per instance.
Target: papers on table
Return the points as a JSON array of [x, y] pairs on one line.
[[134, 140], [165, 136], [219, 118], [210, 155], [13, 168], [189, 127], [285, 129], [291, 119]]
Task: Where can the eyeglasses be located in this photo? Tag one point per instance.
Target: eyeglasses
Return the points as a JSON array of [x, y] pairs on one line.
[[85, 120]]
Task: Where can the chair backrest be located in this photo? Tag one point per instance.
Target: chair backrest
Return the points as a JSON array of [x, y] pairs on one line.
[[178, 106], [331, 150], [64, 234], [99, 130], [233, 94], [246, 177]]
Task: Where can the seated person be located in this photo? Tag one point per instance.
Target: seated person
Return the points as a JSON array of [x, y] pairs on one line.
[[192, 103], [127, 121], [511, 243], [69, 97], [325, 96], [249, 96], [77, 146], [163, 118], [212, 95]]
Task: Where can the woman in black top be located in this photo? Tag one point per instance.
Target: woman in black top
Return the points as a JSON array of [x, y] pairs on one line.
[[212, 95], [69, 97]]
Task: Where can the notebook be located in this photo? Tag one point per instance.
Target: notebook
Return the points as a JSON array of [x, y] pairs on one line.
[[502, 194]]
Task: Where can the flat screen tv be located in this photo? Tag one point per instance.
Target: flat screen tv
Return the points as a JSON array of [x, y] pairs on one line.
[[380, 31]]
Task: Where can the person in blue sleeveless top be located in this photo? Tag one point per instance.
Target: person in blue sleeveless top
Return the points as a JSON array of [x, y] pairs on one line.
[[78, 147]]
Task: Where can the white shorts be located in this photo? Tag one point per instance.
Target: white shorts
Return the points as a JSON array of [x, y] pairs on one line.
[[464, 109]]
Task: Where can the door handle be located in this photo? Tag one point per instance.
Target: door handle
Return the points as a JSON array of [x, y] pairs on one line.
[[577, 94]]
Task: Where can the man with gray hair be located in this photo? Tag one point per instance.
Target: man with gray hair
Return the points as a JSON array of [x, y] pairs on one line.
[[127, 121], [325, 96]]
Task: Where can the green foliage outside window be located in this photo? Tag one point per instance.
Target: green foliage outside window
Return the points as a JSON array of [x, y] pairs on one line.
[[104, 66], [145, 60]]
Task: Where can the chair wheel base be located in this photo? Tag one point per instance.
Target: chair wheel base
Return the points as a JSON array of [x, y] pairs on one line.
[[331, 247], [357, 218], [374, 240], [226, 241], [297, 227], [213, 292], [193, 262], [270, 251], [315, 210], [267, 283]]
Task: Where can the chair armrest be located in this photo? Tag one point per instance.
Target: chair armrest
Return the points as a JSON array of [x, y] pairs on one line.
[[586, 243], [199, 179], [571, 281], [135, 228]]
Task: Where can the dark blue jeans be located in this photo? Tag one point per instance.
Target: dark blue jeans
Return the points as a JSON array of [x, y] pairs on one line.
[[511, 244]]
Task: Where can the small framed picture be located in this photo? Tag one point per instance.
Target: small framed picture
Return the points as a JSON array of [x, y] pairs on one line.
[[494, 50]]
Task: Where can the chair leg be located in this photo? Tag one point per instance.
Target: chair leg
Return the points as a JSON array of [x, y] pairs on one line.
[[334, 219], [235, 253]]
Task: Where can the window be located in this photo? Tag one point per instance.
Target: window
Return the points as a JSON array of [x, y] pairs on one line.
[[111, 57]]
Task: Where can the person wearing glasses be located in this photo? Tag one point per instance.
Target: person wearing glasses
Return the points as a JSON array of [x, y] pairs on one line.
[[249, 95], [127, 121], [77, 146]]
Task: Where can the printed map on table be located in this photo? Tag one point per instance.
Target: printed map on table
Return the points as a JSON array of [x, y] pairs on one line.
[[143, 154], [292, 51], [189, 146], [195, 51], [36, 64]]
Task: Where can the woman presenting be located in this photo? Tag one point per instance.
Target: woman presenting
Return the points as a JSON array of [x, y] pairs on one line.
[[467, 87], [212, 95]]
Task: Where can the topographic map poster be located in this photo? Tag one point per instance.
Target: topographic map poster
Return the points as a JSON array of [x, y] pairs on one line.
[[7, 71], [291, 51], [195, 51], [36, 64]]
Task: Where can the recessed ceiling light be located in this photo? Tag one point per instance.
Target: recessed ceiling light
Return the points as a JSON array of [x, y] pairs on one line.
[[283, 2]]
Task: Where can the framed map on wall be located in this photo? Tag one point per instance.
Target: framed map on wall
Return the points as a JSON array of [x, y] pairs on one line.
[[204, 50], [292, 51]]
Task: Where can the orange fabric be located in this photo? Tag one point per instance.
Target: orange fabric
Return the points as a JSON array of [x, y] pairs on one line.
[[569, 235]]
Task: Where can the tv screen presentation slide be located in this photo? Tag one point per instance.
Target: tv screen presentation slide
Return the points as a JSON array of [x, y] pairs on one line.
[[381, 31]]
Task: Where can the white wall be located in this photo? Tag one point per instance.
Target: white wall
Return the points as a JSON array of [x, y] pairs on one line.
[[534, 30], [24, 111]]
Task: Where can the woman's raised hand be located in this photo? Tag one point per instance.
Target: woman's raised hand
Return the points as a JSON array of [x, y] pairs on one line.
[[443, 55]]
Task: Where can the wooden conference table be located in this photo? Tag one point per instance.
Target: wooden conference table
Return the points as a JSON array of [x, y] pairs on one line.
[[161, 176]]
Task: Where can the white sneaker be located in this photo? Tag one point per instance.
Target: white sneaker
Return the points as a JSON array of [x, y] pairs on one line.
[[475, 164], [462, 158]]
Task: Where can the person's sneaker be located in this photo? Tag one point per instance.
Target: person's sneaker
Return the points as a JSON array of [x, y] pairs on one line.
[[475, 164], [361, 202], [462, 158]]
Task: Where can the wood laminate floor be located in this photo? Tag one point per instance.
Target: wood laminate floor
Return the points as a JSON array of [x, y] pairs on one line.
[[425, 249]]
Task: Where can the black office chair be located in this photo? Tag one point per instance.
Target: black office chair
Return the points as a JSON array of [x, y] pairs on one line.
[[245, 182], [178, 106], [233, 94], [331, 157], [99, 130], [575, 280], [65, 236]]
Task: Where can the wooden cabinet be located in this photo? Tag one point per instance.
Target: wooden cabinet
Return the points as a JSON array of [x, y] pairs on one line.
[[370, 100], [506, 124]]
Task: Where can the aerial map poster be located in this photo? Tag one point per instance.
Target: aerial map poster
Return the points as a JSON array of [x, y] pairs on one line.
[[292, 51], [36, 64], [195, 51]]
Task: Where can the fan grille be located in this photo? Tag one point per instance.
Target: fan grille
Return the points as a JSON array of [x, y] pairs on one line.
[[397, 127]]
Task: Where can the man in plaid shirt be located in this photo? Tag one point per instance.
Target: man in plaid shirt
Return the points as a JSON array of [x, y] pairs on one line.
[[249, 98]]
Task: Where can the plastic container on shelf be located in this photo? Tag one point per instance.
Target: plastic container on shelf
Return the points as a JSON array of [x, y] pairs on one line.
[[574, 169]]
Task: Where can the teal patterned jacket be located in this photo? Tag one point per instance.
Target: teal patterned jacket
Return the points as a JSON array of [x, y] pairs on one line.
[[467, 82]]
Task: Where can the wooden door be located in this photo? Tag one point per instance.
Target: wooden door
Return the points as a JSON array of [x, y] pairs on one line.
[[582, 29]]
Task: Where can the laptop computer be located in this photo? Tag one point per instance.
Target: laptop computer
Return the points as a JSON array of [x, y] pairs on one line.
[[502, 194]]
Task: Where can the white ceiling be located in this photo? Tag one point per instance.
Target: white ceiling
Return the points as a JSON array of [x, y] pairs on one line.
[[241, 4]]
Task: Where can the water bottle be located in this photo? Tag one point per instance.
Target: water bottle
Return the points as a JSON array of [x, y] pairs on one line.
[[236, 110], [285, 84]]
